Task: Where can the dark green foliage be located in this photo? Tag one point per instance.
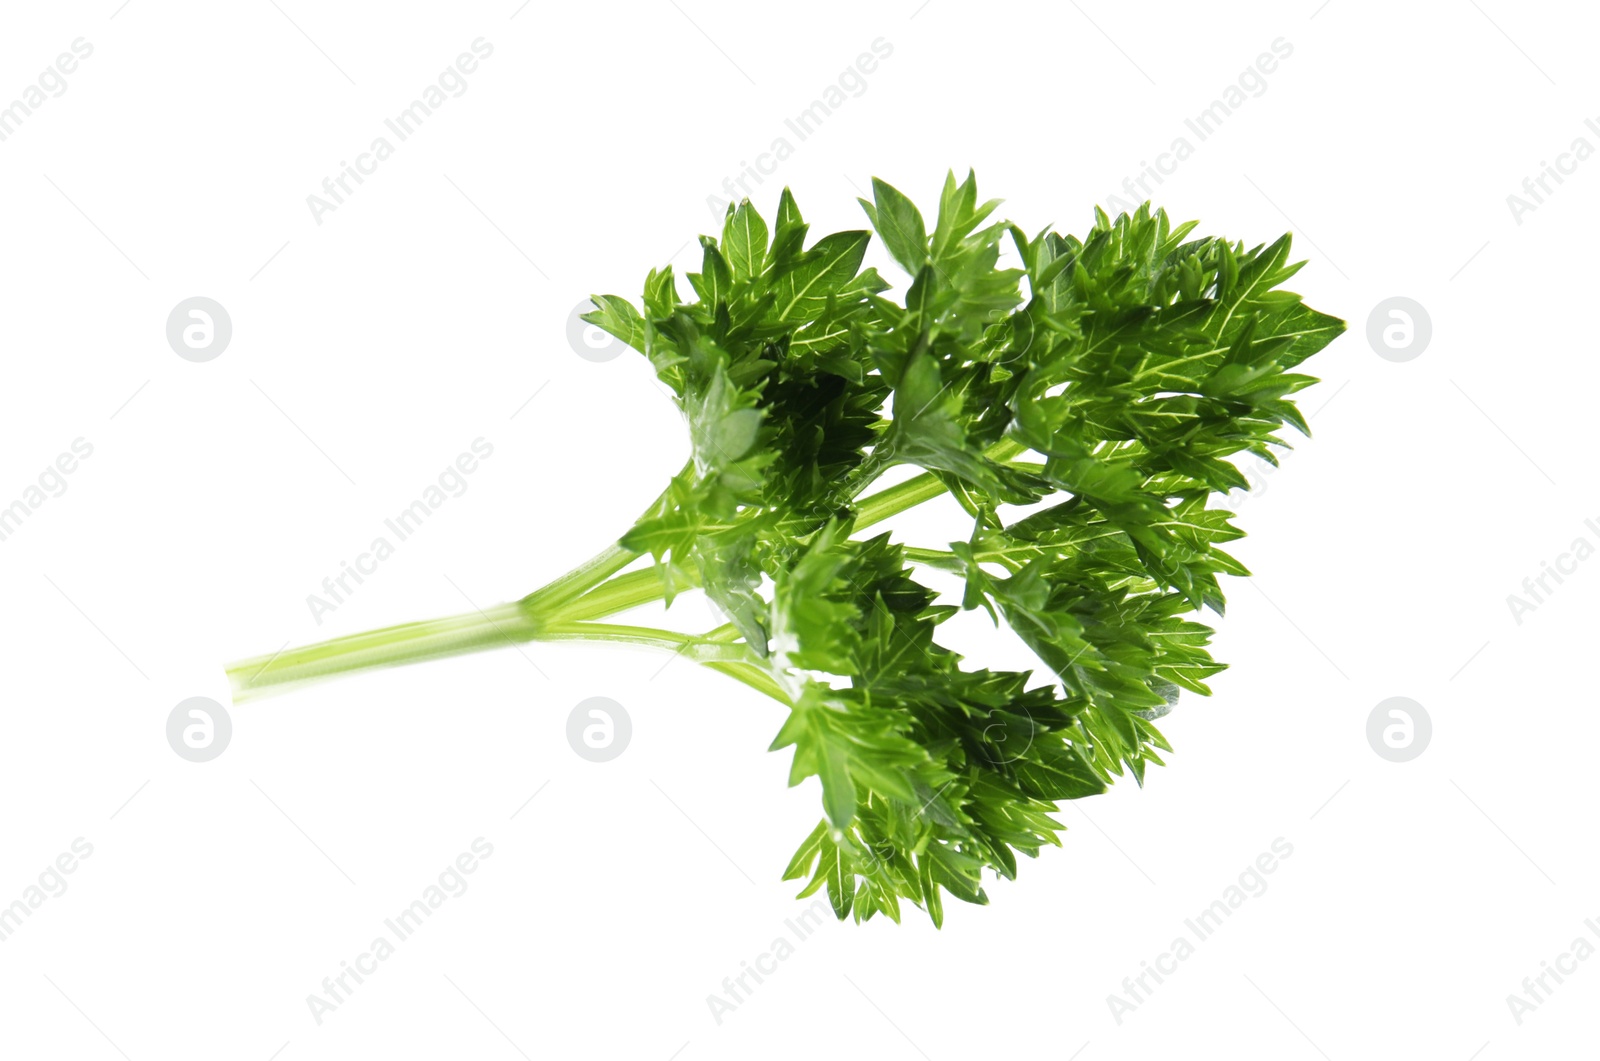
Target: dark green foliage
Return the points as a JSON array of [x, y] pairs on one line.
[[1115, 386]]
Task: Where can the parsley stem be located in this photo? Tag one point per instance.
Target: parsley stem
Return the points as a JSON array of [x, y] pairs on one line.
[[562, 610], [503, 624], [896, 499], [629, 591], [581, 579], [717, 650], [690, 646], [940, 558], [875, 508], [390, 645]]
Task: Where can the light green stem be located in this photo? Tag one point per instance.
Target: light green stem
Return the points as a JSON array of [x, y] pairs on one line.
[[563, 610], [407, 643], [940, 558]]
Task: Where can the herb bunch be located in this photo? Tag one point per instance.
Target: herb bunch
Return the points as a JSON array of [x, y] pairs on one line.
[[1103, 388]]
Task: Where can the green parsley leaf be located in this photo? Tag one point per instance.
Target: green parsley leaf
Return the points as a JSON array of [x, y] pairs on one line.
[[1109, 385]]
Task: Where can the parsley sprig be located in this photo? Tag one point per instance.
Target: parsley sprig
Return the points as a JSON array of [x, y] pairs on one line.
[[1105, 386]]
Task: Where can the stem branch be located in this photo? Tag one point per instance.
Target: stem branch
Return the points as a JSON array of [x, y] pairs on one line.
[[564, 610]]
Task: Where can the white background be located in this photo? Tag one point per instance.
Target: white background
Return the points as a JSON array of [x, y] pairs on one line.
[[372, 348]]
